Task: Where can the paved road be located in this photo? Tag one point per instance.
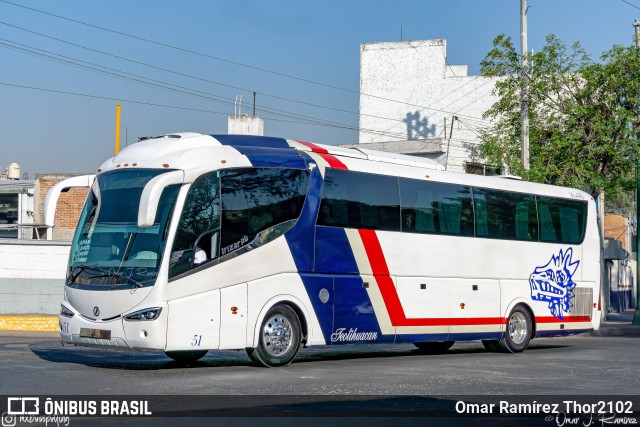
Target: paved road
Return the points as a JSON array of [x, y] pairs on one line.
[[584, 364], [607, 362]]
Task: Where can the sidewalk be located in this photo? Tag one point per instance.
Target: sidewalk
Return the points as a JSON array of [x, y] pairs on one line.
[[618, 325]]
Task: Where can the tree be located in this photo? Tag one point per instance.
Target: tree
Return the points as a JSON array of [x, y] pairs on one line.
[[583, 115]]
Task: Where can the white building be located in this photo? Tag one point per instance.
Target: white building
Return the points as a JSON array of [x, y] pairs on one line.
[[413, 102]]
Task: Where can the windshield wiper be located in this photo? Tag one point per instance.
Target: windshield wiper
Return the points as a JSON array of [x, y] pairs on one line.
[[116, 277], [73, 276], [104, 273]]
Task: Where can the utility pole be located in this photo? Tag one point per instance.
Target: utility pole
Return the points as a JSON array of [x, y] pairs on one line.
[[524, 77], [636, 314], [117, 149]]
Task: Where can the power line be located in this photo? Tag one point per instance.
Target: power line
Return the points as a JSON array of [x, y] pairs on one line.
[[226, 60], [135, 78], [132, 101], [184, 74], [631, 4], [180, 49]]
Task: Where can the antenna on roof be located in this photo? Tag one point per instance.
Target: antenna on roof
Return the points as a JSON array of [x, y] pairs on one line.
[[237, 106]]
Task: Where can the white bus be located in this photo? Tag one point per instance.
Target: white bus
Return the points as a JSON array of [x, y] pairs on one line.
[[189, 243]]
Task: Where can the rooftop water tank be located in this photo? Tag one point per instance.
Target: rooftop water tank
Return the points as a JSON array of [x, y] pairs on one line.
[[13, 171]]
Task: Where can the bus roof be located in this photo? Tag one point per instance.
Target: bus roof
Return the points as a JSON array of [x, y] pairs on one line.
[[189, 151]]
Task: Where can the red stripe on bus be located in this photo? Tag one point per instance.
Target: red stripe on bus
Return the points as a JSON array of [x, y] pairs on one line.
[[390, 295], [313, 147], [333, 161], [392, 302], [568, 319], [381, 272]]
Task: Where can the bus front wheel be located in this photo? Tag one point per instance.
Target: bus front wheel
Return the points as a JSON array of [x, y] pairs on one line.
[[518, 334], [280, 337]]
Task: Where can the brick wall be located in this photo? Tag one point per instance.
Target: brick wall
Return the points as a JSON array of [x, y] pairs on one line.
[[616, 227], [68, 208]]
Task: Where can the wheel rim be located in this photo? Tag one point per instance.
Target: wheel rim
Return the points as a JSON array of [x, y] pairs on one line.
[[276, 335], [518, 328]]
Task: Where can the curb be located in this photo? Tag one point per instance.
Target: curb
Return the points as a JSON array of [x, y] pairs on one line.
[[30, 323], [611, 329]]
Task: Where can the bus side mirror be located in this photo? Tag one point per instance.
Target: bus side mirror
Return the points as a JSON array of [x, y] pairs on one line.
[[151, 196]]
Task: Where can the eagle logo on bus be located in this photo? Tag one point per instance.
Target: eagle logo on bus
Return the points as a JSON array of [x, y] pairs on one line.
[[553, 283]]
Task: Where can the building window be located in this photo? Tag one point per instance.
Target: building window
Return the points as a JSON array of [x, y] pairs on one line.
[[480, 169], [8, 216]]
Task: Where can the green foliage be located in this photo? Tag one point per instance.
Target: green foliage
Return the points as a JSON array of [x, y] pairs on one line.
[[582, 115]]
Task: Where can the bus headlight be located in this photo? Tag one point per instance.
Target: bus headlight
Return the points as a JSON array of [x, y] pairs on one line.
[[64, 311], [142, 315]]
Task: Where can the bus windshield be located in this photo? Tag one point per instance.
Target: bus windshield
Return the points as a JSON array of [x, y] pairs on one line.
[[109, 250]]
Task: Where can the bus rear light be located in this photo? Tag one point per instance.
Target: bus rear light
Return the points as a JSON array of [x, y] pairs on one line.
[[134, 164], [234, 310], [166, 165], [223, 161], [118, 165], [64, 311], [144, 315]]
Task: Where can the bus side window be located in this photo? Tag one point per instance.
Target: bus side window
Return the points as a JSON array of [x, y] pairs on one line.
[[561, 220], [200, 215], [259, 199], [360, 200], [505, 215]]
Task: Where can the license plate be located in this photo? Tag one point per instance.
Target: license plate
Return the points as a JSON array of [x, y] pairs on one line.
[[99, 334]]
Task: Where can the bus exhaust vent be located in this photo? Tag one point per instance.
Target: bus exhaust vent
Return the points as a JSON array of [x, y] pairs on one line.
[[582, 302]]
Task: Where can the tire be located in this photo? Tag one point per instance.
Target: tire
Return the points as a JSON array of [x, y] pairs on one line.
[[186, 356], [280, 338], [518, 334], [434, 347]]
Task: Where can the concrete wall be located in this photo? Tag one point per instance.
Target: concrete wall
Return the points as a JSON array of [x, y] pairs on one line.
[[32, 276], [245, 125], [429, 90]]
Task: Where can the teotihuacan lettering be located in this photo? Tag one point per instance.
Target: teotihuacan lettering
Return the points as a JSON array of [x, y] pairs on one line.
[[341, 335]]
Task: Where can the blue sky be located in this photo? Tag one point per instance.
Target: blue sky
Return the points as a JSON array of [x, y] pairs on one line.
[[317, 41]]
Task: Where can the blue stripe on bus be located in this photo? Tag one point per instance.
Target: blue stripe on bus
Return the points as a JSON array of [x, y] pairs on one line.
[[301, 236], [411, 338], [333, 252], [353, 313], [252, 141], [348, 305], [300, 239], [320, 290], [273, 157], [470, 336]]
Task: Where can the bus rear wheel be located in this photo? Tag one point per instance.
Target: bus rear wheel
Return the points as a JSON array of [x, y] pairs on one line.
[[434, 347], [186, 356], [280, 337], [518, 334]]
